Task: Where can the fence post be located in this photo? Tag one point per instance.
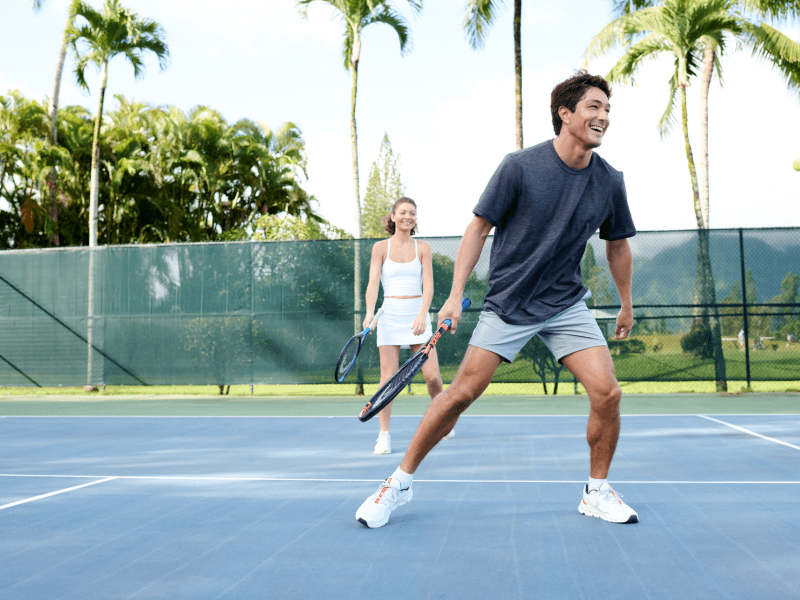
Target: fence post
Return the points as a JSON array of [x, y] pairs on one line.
[[744, 308]]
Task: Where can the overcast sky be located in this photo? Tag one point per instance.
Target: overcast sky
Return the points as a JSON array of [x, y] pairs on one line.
[[448, 110]]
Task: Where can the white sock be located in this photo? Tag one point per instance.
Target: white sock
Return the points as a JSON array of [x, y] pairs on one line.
[[594, 484], [403, 478]]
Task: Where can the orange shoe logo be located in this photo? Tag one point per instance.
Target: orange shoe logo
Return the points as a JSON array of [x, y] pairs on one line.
[[383, 490]]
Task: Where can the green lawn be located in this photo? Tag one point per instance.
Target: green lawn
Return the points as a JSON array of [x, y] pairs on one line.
[[661, 369], [565, 388]]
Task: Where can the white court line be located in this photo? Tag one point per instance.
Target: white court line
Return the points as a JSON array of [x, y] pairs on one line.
[[77, 487], [582, 416], [750, 432], [320, 480]]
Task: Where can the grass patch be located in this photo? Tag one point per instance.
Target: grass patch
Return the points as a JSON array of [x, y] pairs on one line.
[[565, 388]]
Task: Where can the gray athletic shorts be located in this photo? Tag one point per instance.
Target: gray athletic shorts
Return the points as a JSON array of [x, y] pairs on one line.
[[570, 330]]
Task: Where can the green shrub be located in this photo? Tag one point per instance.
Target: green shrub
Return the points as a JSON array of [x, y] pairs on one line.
[[697, 342], [629, 346]]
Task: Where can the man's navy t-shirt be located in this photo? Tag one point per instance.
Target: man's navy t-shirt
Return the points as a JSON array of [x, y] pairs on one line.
[[544, 212]]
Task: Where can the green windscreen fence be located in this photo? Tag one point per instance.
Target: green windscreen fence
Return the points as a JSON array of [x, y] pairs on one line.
[[709, 306]]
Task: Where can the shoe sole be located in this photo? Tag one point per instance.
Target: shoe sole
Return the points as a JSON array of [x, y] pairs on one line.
[[386, 520], [383, 452], [600, 515]]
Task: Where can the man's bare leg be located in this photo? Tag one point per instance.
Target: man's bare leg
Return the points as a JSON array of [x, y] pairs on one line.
[[474, 375], [594, 368]]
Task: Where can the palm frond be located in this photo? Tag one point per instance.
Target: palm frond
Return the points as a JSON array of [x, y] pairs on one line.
[[478, 19], [608, 38], [621, 31], [626, 7], [624, 71], [774, 47], [774, 9], [386, 15], [668, 119]]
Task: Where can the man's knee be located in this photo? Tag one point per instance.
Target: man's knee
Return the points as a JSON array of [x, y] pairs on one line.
[[456, 398], [606, 399]]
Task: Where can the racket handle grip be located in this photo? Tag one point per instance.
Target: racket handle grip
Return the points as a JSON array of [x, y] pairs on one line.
[[464, 306], [375, 319]]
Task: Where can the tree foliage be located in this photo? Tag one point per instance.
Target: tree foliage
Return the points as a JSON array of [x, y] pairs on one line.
[[543, 362], [384, 187], [595, 279], [164, 175]]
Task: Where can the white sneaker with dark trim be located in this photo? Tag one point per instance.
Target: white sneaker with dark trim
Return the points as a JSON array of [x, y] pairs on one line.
[[375, 510], [606, 504], [384, 445]]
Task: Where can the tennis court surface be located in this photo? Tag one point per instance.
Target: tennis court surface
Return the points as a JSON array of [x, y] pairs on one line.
[[247, 498]]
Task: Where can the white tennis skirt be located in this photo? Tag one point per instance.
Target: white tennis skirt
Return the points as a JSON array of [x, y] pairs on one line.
[[394, 325]]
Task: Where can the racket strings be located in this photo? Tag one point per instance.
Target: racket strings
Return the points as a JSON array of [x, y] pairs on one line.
[[398, 381], [347, 358]]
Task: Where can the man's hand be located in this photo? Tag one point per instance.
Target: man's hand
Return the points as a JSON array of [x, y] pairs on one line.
[[624, 323], [451, 310]]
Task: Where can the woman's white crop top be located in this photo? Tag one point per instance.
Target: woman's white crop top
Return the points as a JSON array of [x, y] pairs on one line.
[[401, 279]]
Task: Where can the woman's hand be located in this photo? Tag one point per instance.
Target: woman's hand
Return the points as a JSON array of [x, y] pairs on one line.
[[420, 324], [367, 321]]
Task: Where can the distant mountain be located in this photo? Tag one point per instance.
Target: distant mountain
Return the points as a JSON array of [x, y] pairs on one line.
[[668, 276]]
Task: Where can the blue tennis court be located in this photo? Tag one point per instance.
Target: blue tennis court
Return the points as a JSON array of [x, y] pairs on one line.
[[263, 507]]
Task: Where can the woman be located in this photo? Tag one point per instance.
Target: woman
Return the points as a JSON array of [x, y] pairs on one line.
[[404, 267]]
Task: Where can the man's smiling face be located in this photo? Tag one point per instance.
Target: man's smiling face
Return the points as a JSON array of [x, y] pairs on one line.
[[591, 120]]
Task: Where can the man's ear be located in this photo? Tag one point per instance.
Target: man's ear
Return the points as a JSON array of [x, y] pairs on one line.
[[564, 113]]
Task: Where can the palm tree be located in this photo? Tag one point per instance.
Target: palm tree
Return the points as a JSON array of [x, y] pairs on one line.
[[355, 16], [679, 29], [52, 178], [762, 39], [477, 21], [62, 55], [114, 31]]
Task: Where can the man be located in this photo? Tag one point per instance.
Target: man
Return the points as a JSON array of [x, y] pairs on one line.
[[544, 203]]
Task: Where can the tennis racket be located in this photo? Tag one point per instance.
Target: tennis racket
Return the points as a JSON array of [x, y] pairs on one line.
[[347, 359], [404, 374]]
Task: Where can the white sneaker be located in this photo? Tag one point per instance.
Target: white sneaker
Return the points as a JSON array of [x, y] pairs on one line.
[[384, 445], [450, 435], [606, 504], [375, 510]]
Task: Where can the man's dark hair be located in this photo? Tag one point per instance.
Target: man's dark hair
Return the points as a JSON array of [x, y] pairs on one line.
[[570, 91]]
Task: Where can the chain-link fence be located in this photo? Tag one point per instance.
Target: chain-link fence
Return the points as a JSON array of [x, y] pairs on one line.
[[721, 305]]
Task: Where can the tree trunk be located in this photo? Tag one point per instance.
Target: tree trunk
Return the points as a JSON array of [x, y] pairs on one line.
[[518, 70], [705, 84], [62, 55], [357, 196], [93, 197], [52, 178], [95, 180], [710, 316], [704, 283]]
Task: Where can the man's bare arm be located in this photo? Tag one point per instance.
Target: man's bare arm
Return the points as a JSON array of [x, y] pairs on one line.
[[620, 263], [469, 251]]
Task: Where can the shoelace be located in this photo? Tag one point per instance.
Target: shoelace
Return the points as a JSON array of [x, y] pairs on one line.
[[390, 493], [610, 495]]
